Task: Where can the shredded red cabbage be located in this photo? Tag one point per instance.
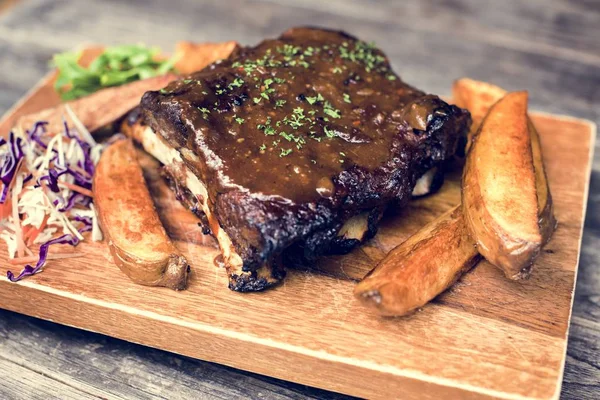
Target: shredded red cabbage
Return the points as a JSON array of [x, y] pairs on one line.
[[29, 270], [10, 161], [52, 179], [73, 199], [88, 164], [39, 128]]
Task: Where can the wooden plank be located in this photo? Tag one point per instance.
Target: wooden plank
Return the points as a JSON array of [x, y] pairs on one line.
[[113, 369], [311, 323]]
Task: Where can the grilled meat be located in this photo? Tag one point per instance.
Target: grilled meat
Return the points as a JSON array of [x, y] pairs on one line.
[[280, 145]]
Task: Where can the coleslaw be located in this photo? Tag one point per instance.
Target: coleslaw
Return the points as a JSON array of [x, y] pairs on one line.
[[46, 195]]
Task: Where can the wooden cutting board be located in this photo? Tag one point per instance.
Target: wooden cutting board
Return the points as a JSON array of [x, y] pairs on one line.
[[484, 338]]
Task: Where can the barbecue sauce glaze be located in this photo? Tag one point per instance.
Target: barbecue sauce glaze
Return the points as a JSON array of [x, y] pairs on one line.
[[286, 117]]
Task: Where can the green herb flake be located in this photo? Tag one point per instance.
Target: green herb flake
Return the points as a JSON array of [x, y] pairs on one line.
[[329, 110], [347, 98], [279, 103], [285, 152], [336, 70], [237, 82], [263, 147], [239, 120], [329, 133]]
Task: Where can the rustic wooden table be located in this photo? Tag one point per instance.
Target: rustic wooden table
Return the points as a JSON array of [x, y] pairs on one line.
[[549, 47]]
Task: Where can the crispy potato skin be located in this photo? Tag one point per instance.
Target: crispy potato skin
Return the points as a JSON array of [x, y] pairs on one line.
[[136, 238], [546, 219], [499, 193], [478, 97], [192, 57], [419, 269]]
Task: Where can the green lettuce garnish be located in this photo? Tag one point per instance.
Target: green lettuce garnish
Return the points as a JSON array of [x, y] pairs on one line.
[[116, 66]]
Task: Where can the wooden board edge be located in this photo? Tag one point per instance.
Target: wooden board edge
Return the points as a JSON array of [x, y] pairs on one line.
[[586, 192], [295, 359], [14, 109]]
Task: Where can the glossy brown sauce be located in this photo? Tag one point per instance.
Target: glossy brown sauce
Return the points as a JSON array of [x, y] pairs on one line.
[[287, 116]]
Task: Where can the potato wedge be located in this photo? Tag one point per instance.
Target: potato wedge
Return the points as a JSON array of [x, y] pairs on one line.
[[192, 57], [478, 97], [499, 198], [136, 238], [421, 268], [546, 219], [100, 108]]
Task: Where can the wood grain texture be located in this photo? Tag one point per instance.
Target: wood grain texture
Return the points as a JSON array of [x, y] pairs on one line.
[[548, 47], [311, 322]]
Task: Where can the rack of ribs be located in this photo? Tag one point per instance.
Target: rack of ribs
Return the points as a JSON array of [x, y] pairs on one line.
[[293, 148]]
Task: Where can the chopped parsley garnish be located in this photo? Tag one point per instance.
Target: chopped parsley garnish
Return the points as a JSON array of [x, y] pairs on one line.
[[313, 100], [329, 110], [364, 53], [311, 117], [329, 133], [205, 111], [285, 152], [237, 82]]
